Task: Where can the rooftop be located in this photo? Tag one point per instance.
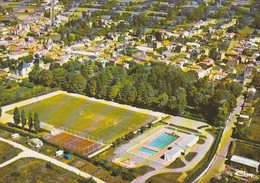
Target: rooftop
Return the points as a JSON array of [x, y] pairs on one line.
[[245, 161]]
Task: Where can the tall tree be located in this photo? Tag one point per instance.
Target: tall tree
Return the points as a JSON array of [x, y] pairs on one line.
[[76, 83], [34, 75], [30, 120], [178, 102], [23, 118], [45, 77], [59, 77], [17, 117], [36, 122]]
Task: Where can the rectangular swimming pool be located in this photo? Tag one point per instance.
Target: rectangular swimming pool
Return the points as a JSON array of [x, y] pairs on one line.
[[163, 140], [148, 151]]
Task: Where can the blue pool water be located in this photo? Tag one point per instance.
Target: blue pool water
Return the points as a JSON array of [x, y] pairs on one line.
[[163, 140], [148, 151]]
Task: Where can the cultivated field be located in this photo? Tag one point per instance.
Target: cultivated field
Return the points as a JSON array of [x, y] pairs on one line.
[[94, 118], [34, 170]]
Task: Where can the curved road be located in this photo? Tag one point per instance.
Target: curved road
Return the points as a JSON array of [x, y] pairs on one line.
[[30, 153], [219, 162]]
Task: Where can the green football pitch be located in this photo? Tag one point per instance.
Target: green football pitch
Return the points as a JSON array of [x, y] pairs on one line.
[[94, 118]]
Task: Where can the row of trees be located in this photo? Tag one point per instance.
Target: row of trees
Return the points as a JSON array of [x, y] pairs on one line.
[[31, 121], [158, 86]]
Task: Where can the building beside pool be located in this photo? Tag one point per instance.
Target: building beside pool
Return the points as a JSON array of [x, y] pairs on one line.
[[187, 143], [164, 146], [173, 153], [181, 148]]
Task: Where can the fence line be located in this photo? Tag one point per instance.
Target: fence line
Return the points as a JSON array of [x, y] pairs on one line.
[[68, 145], [80, 134]]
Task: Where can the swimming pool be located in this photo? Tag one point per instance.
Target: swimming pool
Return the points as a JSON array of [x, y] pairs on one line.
[[163, 140], [148, 151]]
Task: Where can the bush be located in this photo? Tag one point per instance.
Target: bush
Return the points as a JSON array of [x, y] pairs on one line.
[[49, 166], [15, 174], [89, 180]]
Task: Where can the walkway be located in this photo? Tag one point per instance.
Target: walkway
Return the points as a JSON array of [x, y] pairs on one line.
[[30, 153]]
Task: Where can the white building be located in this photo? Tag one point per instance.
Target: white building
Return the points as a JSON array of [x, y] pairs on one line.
[[59, 153], [245, 161], [173, 154], [188, 142], [35, 142], [15, 136], [181, 148]]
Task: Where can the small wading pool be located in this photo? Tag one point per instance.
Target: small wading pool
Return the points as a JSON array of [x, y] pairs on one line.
[[148, 151], [163, 140]]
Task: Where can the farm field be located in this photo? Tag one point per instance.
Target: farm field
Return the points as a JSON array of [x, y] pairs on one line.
[[94, 118], [7, 152], [34, 170]]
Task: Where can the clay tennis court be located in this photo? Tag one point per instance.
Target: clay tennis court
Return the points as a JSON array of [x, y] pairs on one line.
[[73, 142]]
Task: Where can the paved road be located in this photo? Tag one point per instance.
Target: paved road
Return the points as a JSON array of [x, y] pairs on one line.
[[30, 153], [219, 162]]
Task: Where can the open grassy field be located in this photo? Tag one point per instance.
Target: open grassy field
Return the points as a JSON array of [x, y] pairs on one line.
[[254, 132], [7, 152], [34, 170], [247, 150], [95, 118], [164, 178]]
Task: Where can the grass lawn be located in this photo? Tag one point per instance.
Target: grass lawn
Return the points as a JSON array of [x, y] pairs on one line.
[[7, 152], [190, 156], [246, 31], [142, 170], [34, 170], [247, 150], [176, 164], [101, 173], [96, 119], [254, 132], [164, 178], [201, 141]]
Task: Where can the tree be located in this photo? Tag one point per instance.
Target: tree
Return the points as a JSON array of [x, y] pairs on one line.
[[30, 121], [36, 122], [256, 80], [59, 77], [76, 83], [45, 77], [34, 75], [23, 118], [162, 101], [178, 102], [17, 116], [0, 111]]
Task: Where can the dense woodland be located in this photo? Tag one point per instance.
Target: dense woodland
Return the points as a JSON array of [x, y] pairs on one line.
[[157, 86]]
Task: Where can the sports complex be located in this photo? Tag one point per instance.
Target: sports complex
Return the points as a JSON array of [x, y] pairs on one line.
[[165, 146], [84, 124]]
